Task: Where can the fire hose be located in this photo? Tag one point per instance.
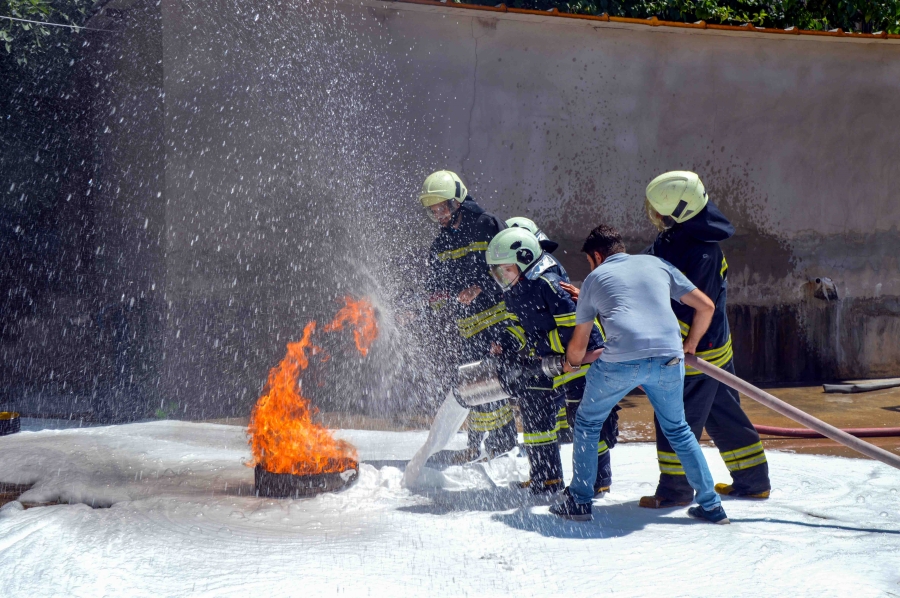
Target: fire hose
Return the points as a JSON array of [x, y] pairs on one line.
[[793, 413], [804, 433], [479, 384]]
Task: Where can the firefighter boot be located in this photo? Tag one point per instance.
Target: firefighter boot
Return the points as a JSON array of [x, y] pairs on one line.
[[729, 490], [546, 469]]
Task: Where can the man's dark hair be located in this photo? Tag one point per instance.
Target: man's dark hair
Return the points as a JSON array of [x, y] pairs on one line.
[[604, 240]]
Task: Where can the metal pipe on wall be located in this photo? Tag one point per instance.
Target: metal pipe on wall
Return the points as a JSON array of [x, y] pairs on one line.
[[792, 412]]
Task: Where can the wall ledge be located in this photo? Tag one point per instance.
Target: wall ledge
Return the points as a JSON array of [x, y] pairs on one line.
[[599, 20]]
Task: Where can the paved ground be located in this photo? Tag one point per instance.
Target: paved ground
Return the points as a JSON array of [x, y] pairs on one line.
[[878, 409], [185, 521]]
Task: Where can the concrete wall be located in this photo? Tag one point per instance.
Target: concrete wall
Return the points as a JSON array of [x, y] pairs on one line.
[[567, 122], [297, 136], [264, 161]]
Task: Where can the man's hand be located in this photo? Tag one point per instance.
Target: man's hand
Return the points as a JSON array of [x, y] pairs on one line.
[[704, 309], [467, 296], [570, 289], [690, 347], [577, 346]]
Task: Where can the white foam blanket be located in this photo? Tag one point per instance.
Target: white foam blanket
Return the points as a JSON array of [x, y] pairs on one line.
[[182, 521]]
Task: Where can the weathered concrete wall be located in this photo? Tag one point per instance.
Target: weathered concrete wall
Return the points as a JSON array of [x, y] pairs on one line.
[[297, 138], [252, 164], [567, 122], [81, 310]]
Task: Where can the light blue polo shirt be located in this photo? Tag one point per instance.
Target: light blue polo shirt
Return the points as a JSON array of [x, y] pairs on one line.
[[630, 294]]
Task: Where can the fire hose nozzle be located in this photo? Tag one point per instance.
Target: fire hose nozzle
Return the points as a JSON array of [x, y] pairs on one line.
[[479, 384], [552, 365]]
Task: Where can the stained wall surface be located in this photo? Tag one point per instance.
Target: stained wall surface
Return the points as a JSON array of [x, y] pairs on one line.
[[253, 164], [297, 137], [567, 121]]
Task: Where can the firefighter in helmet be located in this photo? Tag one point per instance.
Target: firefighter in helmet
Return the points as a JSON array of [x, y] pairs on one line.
[[545, 319], [565, 419], [465, 299], [690, 230]]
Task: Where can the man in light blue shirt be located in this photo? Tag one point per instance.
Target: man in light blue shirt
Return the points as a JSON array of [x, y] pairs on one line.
[[631, 296]]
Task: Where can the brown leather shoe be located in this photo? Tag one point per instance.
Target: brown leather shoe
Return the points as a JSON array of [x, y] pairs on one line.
[[658, 502]]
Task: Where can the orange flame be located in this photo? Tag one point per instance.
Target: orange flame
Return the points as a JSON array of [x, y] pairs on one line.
[[362, 316], [283, 437]]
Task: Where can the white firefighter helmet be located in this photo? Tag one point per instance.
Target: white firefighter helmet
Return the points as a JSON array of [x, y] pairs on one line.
[[512, 247], [441, 186], [526, 223], [529, 225], [678, 194]]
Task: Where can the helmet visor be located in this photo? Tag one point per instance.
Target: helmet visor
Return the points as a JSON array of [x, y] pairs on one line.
[[662, 223], [441, 212], [505, 275]]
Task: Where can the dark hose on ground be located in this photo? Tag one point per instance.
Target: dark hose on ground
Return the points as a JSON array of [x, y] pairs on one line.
[[804, 433], [793, 413]]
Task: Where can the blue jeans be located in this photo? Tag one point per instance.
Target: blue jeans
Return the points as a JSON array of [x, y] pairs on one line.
[[607, 384]]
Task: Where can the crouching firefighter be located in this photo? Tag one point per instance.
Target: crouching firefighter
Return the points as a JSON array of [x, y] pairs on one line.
[[565, 420], [691, 228], [465, 299], [529, 278]]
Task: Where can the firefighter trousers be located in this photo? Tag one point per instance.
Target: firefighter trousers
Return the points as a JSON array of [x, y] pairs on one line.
[[492, 423], [540, 411], [717, 407]]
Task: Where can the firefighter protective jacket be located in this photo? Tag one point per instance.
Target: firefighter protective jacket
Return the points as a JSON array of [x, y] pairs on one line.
[[456, 261], [546, 314], [693, 248]]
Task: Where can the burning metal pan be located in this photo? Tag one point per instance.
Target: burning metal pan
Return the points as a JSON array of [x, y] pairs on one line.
[[9, 423], [288, 485]]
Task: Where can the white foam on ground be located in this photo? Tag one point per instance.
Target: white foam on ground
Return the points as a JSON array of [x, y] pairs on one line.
[[181, 523]]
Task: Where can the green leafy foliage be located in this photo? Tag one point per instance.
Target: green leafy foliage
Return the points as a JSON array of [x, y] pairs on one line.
[[865, 16], [26, 41], [167, 412]]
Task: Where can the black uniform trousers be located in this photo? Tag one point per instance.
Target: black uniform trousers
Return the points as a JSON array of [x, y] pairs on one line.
[[717, 407], [540, 409], [491, 423]]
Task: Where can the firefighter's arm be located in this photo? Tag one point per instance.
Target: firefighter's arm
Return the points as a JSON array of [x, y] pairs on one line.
[[562, 308], [514, 341], [704, 309], [486, 227], [436, 292]]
